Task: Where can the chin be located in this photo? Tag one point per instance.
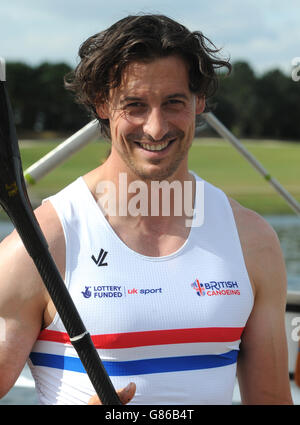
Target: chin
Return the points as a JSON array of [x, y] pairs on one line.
[[156, 173]]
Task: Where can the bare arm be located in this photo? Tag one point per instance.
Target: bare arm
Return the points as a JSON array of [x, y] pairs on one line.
[[263, 359], [23, 297], [25, 304]]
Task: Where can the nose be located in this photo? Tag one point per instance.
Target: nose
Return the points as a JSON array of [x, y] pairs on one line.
[[156, 124]]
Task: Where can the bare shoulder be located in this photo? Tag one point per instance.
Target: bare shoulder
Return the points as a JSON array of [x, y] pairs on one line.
[[252, 227], [20, 282], [24, 302], [261, 248], [51, 228]]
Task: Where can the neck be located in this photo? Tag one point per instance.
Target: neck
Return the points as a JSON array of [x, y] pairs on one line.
[[138, 215], [155, 205]]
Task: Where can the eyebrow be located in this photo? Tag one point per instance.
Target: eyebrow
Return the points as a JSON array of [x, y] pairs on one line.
[[138, 99], [181, 95]]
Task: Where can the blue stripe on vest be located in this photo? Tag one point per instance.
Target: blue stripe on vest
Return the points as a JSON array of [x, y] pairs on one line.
[[139, 367]]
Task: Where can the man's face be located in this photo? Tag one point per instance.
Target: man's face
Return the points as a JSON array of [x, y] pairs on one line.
[[152, 118]]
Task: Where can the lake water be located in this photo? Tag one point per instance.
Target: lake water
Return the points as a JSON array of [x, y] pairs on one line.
[[288, 230]]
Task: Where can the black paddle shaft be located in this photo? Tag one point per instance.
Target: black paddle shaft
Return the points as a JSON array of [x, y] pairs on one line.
[[14, 200]]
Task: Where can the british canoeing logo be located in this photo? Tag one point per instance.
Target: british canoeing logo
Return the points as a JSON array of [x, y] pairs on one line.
[[198, 288], [215, 288]]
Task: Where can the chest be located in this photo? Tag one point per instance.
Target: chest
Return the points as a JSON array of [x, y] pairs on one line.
[[116, 294], [153, 241]]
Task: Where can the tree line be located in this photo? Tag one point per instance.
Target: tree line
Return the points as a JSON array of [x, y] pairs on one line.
[[250, 105], [39, 99], [265, 106]]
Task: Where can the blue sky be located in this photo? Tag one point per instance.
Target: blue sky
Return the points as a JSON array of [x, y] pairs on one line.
[[266, 33]]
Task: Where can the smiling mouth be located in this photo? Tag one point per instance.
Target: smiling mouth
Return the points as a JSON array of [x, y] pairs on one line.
[[155, 147]]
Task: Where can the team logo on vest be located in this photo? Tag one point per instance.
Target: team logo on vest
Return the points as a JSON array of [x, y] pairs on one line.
[[198, 288], [99, 261], [213, 288]]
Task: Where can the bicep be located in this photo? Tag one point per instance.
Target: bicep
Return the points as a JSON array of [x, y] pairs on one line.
[[21, 309], [263, 359]]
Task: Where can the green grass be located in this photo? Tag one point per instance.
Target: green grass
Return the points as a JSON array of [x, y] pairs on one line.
[[219, 163], [80, 163], [214, 160]]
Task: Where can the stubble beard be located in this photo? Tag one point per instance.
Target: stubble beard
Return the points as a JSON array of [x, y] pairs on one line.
[[161, 173]]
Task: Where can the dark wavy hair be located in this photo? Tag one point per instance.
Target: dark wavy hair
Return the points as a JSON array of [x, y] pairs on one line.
[[105, 55]]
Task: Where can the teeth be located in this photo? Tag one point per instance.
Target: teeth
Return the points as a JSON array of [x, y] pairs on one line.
[[154, 147]]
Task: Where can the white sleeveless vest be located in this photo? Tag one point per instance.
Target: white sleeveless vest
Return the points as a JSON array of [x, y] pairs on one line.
[[171, 324]]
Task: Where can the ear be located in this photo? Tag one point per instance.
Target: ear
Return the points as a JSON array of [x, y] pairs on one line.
[[200, 104], [102, 111]]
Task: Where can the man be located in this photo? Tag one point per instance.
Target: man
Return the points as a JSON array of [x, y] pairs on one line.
[[173, 308]]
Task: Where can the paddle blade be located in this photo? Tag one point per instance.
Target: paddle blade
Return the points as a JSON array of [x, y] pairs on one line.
[[13, 194], [15, 201], [11, 176]]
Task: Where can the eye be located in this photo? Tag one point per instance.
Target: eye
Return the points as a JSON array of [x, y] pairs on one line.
[[174, 104], [175, 101], [135, 109], [134, 105]]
